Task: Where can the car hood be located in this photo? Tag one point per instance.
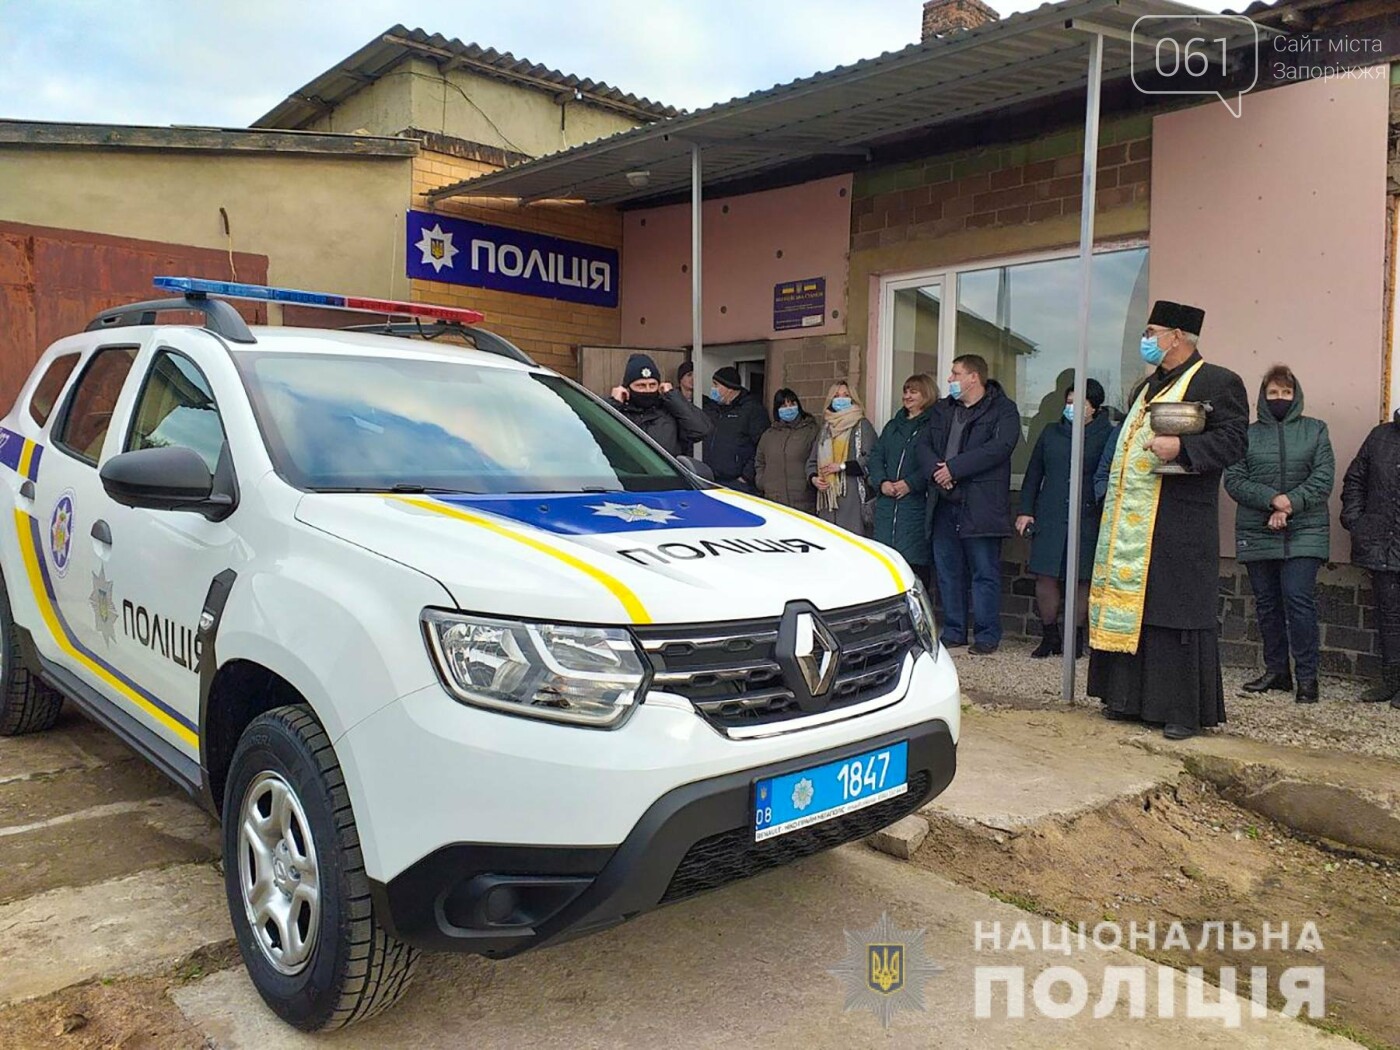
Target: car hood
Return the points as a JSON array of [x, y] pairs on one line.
[[668, 557]]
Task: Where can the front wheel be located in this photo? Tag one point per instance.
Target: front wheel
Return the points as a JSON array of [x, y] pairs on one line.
[[297, 890]]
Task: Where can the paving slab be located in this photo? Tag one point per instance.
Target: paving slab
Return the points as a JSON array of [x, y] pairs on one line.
[[1017, 768], [746, 966], [139, 924]]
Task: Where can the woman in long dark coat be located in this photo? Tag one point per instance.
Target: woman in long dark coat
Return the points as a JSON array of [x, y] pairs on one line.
[[893, 472], [1371, 513], [1045, 517]]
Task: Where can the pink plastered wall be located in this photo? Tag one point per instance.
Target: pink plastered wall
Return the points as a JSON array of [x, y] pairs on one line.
[[750, 244], [1274, 223]]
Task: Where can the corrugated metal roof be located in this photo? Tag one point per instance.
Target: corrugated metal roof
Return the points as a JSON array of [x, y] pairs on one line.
[[391, 47], [1026, 57]]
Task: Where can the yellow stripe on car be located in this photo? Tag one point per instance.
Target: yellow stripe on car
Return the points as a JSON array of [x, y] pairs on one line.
[[624, 594], [25, 458], [831, 530], [60, 636]]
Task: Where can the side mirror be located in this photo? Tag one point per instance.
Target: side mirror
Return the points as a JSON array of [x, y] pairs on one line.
[[173, 478], [697, 467]]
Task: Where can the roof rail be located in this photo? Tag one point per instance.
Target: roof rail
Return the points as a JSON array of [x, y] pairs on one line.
[[219, 317], [488, 342]]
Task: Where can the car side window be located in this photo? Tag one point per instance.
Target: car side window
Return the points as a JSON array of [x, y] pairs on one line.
[[88, 411], [50, 385], [177, 409]]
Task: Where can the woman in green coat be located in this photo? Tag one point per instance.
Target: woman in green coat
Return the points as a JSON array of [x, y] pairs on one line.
[[1282, 529], [892, 472]]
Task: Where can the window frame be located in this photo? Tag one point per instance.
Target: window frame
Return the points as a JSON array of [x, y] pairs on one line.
[[225, 448], [948, 277], [58, 425]]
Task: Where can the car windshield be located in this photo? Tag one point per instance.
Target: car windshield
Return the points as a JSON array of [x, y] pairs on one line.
[[351, 423]]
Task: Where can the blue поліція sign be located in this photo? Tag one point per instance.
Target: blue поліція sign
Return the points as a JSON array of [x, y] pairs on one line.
[[799, 304], [460, 251]]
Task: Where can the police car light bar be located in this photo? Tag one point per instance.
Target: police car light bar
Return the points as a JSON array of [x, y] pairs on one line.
[[237, 290]]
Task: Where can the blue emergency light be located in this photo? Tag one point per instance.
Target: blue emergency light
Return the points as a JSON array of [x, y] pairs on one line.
[[267, 293]]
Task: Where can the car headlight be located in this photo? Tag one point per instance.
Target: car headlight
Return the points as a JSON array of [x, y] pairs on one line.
[[589, 676], [921, 612]]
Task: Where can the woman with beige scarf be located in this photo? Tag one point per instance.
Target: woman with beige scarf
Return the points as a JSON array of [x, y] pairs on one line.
[[836, 466]]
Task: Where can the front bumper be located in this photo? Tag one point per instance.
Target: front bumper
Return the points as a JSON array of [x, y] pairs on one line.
[[498, 900]]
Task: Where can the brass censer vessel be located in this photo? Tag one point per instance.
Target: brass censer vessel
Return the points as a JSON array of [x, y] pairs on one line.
[[1174, 419]]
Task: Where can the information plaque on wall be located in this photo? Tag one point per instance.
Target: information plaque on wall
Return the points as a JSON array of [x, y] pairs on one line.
[[799, 304]]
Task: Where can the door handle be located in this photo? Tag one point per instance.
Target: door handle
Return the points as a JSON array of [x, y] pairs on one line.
[[101, 533], [27, 489]]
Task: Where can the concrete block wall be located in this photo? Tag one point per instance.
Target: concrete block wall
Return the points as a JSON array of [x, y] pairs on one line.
[[1012, 185], [1345, 609]]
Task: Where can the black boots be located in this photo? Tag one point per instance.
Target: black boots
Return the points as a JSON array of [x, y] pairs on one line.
[[1271, 680], [1388, 688], [1081, 642], [1307, 691], [1051, 642]]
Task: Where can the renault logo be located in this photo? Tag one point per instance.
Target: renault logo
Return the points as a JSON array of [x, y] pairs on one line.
[[808, 654]]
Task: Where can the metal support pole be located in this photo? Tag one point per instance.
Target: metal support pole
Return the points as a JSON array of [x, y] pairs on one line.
[[697, 352], [1081, 361]]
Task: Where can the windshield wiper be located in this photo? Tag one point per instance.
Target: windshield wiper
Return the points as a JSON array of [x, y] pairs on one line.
[[406, 487]]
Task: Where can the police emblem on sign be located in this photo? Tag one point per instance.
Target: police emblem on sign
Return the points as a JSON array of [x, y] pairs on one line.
[[438, 248], [884, 970]]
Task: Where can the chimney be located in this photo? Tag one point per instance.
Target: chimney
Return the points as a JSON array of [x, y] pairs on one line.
[[942, 17]]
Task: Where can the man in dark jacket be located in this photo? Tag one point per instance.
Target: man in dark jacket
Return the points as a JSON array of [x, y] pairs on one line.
[[658, 408], [1371, 513], [966, 455], [738, 420], [1154, 644]]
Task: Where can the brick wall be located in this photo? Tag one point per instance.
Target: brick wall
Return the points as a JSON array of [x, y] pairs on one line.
[[809, 366], [550, 330], [1012, 185]]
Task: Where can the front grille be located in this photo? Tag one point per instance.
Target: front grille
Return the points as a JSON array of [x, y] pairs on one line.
[[730, 672], [733, 855]]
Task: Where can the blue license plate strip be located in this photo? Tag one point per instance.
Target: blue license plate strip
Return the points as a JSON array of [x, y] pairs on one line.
[[798, 800]]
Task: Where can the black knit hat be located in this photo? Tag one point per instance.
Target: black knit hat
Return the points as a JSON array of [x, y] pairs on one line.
[[1177, 315], [640, 366], [1093, 392], [729, 376], [685, 369]]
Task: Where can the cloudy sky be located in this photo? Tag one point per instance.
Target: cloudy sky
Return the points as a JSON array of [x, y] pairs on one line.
[[226, 62]]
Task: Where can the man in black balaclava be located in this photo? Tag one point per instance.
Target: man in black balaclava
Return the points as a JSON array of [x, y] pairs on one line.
[[658, 408]]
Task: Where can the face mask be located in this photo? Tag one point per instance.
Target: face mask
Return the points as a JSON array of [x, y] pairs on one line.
[[1151, 352], [1069, 413], [788, 413], [840, 404], [644, 401], [714, 394], [1279, 407], [954, 389]]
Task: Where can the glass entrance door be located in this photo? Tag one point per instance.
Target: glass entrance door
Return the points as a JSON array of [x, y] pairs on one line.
[[913, 323]]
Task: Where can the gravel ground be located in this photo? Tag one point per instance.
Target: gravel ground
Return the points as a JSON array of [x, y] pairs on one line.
[[1338, 723]]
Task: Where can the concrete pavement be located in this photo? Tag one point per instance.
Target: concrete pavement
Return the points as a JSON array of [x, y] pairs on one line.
[[745, 966]]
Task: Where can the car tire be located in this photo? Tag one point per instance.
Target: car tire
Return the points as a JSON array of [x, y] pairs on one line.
[[297, 890], [27, 705]]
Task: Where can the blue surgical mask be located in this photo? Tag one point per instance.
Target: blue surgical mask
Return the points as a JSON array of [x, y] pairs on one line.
[[1069, 413], [789, 413], [840, 404], [954, 389], [1151, 352], [714, 394]]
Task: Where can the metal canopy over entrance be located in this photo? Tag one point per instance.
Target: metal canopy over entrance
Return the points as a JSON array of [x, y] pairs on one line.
[[1035, 56], [851, 109]]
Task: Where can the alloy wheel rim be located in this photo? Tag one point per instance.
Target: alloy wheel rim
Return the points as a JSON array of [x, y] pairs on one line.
[[278, 873]]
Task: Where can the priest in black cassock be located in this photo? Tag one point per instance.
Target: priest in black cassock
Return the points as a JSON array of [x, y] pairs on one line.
[[1154, 652]]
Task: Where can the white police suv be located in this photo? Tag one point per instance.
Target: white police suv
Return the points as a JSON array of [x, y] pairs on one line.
[[462, 660]]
